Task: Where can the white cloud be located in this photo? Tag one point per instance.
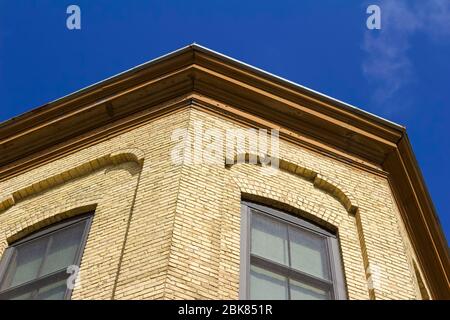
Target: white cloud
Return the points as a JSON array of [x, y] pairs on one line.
[[387, 64]]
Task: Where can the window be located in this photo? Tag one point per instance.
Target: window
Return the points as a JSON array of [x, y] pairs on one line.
[[36, 266], [284, 257]]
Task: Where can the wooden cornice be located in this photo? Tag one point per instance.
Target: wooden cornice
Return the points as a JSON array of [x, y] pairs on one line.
[[246, 93], [195, 69], [420, 217]]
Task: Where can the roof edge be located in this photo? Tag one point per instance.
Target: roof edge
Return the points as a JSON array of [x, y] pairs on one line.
[[196, 47]]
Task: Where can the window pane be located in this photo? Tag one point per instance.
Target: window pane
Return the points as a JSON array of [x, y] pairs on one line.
[[269, 238], [25, 263], [308, 252], [302, 291], [267, 285], [63, 248], [22, 296], [54, 291]]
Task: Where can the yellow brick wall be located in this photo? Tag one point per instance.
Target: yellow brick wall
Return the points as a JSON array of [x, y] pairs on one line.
[[183, 239]]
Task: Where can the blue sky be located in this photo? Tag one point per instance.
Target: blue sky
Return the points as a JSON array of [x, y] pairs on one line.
[[401, 72]]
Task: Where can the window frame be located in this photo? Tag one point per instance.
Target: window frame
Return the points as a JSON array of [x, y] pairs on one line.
[[336, 281], [51, 277]]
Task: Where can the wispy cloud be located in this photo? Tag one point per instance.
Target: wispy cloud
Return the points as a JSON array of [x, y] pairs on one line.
[[387, 64]]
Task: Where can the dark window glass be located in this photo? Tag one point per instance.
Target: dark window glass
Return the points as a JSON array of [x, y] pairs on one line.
[[36, 267], [289, 258]]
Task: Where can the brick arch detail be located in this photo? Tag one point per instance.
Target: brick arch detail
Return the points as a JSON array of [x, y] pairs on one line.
[[319, 181], [114, 158], [45, 222]]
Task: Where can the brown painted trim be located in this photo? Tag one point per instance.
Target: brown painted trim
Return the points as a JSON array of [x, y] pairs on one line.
[[212, 106], [295, 99], [421, 221], [153, 112], [90, 138], [129, 93], [349, 136]]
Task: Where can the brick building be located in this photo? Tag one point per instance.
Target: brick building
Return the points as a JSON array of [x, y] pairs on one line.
[[121, 179]]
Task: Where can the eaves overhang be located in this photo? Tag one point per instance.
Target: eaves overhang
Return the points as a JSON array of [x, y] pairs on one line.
[[195, 68], [251, 91]]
